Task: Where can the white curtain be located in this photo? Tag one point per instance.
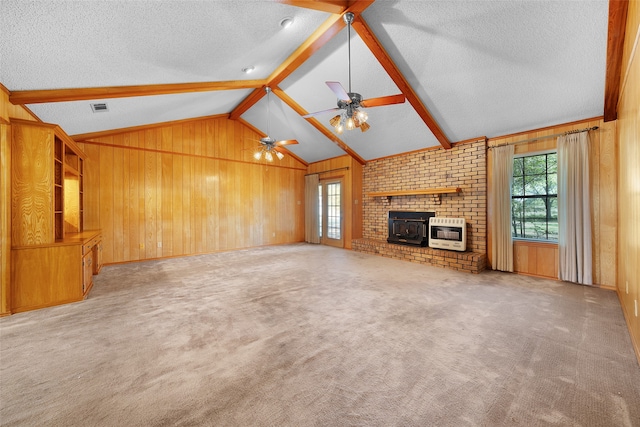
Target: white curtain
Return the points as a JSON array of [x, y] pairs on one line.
[[574, 209], [311, 208], [502, 243]]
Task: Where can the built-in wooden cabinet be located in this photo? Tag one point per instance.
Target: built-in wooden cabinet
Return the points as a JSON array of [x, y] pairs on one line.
[[53, 258]]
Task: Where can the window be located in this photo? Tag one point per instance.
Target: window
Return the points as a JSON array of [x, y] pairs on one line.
[[534, 198], [334, 201]]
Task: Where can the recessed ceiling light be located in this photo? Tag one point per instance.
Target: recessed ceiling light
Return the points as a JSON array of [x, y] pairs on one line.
[[286, 22], [248, 69]]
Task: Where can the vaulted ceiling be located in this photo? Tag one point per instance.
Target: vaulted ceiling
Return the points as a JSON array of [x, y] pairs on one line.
[[467, 68]]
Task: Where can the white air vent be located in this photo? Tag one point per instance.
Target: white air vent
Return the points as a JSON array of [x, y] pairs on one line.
[[99, 108]]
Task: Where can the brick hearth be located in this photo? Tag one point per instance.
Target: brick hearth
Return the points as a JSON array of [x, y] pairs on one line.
[[470, 262]]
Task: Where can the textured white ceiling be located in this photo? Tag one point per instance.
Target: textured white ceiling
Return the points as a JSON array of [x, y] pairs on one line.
[[70, 44], [497, 67], [480, 67], [77, 117]]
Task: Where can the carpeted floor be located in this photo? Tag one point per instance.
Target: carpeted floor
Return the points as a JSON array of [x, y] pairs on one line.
[[306, 335]]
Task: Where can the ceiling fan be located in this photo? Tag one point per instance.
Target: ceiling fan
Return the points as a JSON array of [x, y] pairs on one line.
[[268, 145], [351, 103]]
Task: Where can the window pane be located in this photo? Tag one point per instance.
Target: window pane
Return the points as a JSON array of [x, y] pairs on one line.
[[552, 182], [535, 165], [333, 211], [518, 167], [518, 186], [517, 222], [535, 219], [535, 185], [552, 163], [553, 218]]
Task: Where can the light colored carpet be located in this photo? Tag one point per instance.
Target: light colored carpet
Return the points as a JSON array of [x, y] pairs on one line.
[[306, 335]]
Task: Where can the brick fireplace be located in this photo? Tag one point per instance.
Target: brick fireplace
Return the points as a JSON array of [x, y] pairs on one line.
[[462, 166]]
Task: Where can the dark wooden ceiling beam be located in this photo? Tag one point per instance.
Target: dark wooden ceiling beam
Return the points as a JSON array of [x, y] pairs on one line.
[[323, 34], [316, 123], [615, 43], [22, 97], [392, 70]]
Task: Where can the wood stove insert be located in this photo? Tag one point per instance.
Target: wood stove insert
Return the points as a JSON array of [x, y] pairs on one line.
[[409, 228]]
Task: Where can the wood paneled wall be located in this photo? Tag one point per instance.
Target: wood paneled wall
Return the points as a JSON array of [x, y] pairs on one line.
[[7, 112], [188, 188], [5, 219], [536, 259], [629, 177], [351, 173]]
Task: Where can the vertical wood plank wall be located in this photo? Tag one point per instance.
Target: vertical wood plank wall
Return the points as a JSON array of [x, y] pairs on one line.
[[7, 111], [629, 177], [188, 188], [535, 258], [5, 219], [352, 197]]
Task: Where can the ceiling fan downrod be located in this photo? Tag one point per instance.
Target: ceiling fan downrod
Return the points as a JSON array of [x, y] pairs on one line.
[[348, 19]]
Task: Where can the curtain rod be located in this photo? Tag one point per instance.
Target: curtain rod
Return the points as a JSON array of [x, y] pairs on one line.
[[330, 170], [546, 137]]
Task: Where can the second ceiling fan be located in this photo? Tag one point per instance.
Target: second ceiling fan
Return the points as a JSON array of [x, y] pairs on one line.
[[268, 145], [351, 103]]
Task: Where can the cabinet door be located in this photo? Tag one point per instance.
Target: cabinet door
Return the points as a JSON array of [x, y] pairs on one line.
[[87, 275], [97, 257], [32, 184]]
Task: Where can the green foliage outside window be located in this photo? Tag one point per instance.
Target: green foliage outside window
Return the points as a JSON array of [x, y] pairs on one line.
[[534, 197]]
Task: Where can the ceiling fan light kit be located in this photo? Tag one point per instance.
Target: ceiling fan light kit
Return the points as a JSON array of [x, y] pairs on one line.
[[267, 144], [352, 116]]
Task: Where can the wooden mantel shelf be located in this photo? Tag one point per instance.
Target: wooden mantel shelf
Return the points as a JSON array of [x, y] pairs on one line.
[[435, 192], [442, 190]]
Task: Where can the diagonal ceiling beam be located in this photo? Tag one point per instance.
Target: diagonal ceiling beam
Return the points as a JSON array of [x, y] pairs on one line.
[[615, 43], [22, 97], [316, 123], [329, 28], [390, 67], [322, 35]]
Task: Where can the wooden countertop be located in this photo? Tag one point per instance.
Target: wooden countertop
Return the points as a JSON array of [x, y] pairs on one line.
[[69, 240]]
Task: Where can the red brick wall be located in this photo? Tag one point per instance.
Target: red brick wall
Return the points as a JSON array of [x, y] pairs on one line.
[[464, 166]]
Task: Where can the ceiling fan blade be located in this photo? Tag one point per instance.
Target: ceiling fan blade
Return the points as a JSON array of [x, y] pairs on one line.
[[286, 142], [383, 100], [317, 113], [337, 88]]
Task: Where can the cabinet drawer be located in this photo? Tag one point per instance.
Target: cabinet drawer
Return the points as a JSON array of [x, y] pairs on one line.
[[88, 246]]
